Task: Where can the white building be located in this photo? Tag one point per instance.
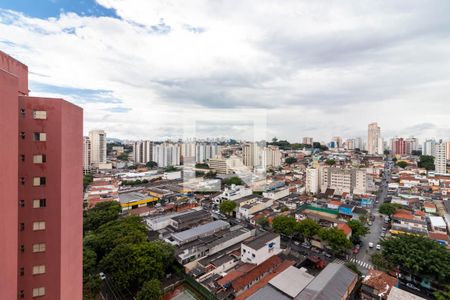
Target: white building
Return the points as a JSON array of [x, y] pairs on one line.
[[261, 248], [277, 193], [248, 210], [312, 181], [98, 147], [233, 193], [374, 140], [86, 155], [428, 147], [142, 152], [353, 181], [440, 158], [271, 157], [166, 154]]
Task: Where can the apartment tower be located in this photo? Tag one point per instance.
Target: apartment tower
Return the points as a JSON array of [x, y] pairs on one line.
[[41, 191]]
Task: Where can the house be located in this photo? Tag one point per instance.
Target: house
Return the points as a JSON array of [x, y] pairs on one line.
[[404, 221], [345, 228], [346, 210], [377, 285], [261, 248], [429, 207], [334, 204], [398, 294]]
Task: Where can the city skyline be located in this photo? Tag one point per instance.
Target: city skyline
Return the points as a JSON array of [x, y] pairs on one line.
[[323, 77]]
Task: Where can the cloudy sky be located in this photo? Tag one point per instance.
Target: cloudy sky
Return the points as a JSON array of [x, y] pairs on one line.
[[151, 69]]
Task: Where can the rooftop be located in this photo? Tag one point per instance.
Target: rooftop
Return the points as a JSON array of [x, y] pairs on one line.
[[398, 294], [380, 281], [292, 281], [201, 230], [261, 240]]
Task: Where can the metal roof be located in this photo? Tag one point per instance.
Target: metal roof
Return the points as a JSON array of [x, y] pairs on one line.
[[292, 281], [202, 230], [261, 240], [268, 293]]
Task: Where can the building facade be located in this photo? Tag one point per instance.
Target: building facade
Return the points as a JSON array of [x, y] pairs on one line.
[[143, 152], [440, 158], [42, 191], [86, 155], [166, 154], [374, 140], [98, 146]]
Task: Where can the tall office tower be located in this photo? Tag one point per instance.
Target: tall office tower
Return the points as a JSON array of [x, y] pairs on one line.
[[98, 146], [374, 141], [440, 158], [428, 147], [143, 152], [86, 155], [308, 140], [42, 191], [166, 154]]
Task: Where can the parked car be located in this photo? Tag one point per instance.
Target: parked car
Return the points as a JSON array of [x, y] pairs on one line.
[[306, 245], [102, 275], [315, 250], [370, 245], [296, 243], [378, 247], [412, 286]]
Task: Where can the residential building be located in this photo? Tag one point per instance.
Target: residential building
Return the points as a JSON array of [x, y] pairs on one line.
[[340, 180], [440, 158], [271, 157], [261, 248], [98, 147], [447, 146], [86, 155], [233, 193], [42, 191], [312, 180], [377, 285], [308, 140], [166, 154], [398, 294], [428, 147], [374, 140], [142, 152], [251, 155]]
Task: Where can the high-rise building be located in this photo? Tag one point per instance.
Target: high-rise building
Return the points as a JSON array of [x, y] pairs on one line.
[[440, 158], [86, 155], [343, 180], [398, 146], [251, 155], [41, 188], [374, 140], [448, 150], [271, 157], [338, 141], [308, 140], [428, 147], [98, 146], [166, 154], [312, 180], [142, 151]]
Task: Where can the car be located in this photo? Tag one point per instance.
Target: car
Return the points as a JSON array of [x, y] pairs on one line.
[[370, 245], [412, 286], [306, 245], [102, 275], [296, 243], [378, 247], [315, 250], [370, 223]]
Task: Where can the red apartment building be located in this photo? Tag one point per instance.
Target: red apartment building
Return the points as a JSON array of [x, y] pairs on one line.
[[40, 191]]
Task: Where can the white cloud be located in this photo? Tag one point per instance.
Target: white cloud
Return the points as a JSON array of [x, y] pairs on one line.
[[320, 68]]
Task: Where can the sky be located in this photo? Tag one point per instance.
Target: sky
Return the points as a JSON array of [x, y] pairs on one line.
[[239, 68]]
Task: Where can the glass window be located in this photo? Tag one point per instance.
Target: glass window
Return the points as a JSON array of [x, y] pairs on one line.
[[39, 225], [40, 291], [40, 115]]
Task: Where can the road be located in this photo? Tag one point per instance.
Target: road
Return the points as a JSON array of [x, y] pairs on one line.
[[362, 259]]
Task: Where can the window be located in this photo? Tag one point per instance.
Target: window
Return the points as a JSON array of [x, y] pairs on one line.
[[41, 247], [38, 181], [22, 226], [21, 203], [40, 115], [21, 294], [40, 269], [22, 180], [253, 254], [22, 112], [40, 136], [22, 248], [22, 135], [39, 158], [22, 157], [40, 291], [38, 203], [22, 271], [40, 225]]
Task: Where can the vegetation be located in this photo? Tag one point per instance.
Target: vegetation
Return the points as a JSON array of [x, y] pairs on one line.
[[284, 225], [358, 229], [402, 164], [102, 213], [263, 222], [335, 239], [201, 166], [210, 174], [87, 179], [308, 228], [353, 267], [427, 162], [417, 255], [134, 182], [119, 248], [388, 208], [171, 169], [123, 156], [151, 290], [330, 162], [290, 160], [151, 164], [233, 180], [227, 207]]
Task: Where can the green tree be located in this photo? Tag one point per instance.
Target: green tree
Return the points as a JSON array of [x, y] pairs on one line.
[[444, 294], [101, 213], [388, 208], [402, 164], [353, 267], [123, 156], [308, 228], [91, 279], [87, 179], [284, 225], [227, 207], [330, 162], [418, 255], [201, 166], [427, 162], [380, 262], [358, 229], [290, 160], [335, 239], [151, 290], [233, 180], [263, 222], [151, 164], [210, 174]]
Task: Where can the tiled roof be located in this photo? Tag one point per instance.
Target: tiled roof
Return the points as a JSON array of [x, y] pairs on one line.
[[380, 281], [345, 228], [256, 272]]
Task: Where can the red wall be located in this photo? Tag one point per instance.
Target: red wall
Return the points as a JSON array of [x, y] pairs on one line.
[[18, 69], [63, 194], [8, 185]]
